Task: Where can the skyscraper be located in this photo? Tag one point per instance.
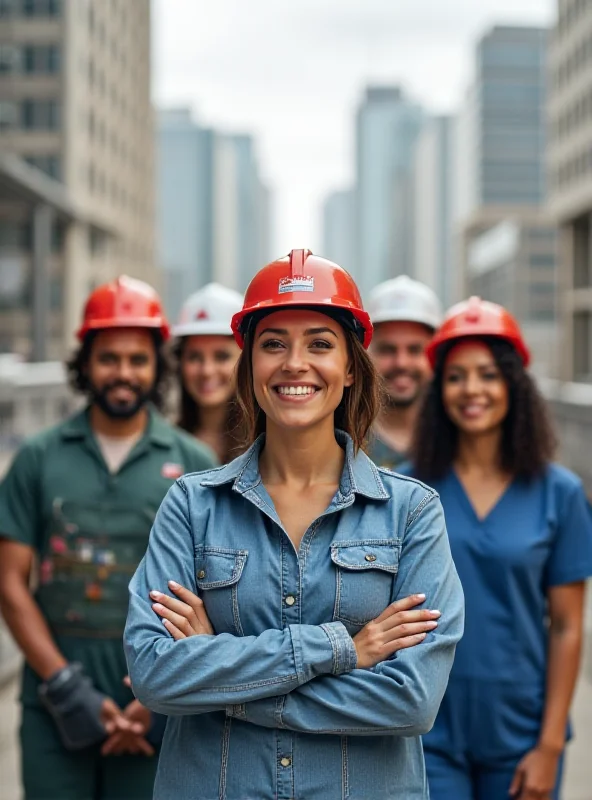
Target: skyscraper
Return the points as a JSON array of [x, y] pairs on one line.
[[213, 207], [388, 124], [339, 239], [74, 104]]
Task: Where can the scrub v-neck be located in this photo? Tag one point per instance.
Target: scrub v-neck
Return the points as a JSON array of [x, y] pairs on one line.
[[470, 508]]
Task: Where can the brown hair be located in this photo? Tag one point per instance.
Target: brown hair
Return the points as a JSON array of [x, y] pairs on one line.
[[354, 414], [189, 418]]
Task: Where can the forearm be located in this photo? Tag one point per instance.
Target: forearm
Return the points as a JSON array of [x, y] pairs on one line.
[[30, 630], [565, 647]]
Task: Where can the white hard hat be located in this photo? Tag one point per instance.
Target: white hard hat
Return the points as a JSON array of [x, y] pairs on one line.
[[208, 311], [404, 300]]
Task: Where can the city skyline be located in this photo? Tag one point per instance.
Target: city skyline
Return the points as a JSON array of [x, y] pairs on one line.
[[240, 74]]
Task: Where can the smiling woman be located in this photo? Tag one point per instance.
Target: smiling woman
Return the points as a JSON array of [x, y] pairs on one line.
[[316, 591], [521, 536]]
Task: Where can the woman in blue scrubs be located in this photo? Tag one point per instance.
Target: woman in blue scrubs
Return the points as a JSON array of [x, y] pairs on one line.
[[521, 537]]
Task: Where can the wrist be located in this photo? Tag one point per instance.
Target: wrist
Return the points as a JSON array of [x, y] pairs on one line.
[[56, 665], [553, 749]]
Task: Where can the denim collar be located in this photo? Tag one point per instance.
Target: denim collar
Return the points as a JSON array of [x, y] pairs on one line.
[[359, 476]]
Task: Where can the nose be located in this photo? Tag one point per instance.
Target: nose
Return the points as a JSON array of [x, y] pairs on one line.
[[295, 359], [125, 370], [207, 368], [472, 384]]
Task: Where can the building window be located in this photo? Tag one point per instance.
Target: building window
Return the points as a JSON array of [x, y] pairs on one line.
[[41, 8], [581, 343], [8, 115], [50, 164], [7, 8], [581, 252], [40, 115], [41, 59], [9, 59]]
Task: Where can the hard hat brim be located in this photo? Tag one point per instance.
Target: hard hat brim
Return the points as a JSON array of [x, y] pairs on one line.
[[202, 329]]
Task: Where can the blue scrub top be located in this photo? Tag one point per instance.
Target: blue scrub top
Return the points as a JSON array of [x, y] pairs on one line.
[[538, 535]]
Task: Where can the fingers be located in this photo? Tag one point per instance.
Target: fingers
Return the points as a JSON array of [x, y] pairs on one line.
[[184, 609], [112, 717], [409, 629], [403, 618], [195, 602], [127, 681], [404, 604], [121, 743], [517, 781], [173, 630], [178, 620], [405, 642]]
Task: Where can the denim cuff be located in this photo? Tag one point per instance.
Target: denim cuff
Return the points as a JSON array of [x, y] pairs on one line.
[[345, 657]]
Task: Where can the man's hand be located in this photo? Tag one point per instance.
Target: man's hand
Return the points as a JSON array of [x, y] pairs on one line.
[[183, 617], [130, 737]]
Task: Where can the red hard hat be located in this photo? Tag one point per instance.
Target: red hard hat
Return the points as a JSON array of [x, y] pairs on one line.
[[476, 317], [123, 303], [302, 279]]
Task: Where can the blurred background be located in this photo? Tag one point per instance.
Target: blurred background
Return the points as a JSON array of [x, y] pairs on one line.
[[182, 141]]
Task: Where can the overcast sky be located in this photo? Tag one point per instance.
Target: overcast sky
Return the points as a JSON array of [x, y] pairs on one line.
[[293, 71]]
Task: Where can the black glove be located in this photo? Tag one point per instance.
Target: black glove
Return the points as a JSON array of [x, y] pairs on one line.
[[75, 706]]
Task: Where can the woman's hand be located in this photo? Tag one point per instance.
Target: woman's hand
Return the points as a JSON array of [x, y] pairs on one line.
[[182, 617], [536, 775], [395, 629]]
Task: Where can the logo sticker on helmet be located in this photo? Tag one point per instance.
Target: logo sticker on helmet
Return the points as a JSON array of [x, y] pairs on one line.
[[302, 283]]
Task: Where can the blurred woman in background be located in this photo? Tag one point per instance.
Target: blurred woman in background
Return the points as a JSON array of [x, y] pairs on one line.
[[207, 355], [521, 537]]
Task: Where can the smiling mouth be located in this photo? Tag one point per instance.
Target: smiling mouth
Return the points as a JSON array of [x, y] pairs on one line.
[[296, 391]]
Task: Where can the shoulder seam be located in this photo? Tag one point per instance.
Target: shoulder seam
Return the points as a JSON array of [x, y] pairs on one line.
[[431, 494]]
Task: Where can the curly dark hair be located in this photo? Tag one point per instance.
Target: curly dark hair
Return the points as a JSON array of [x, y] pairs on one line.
[[76, 367], [528, 440], [188, 418]]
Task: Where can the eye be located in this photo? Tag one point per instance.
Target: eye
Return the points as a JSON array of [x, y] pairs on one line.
[[490, 376], [321, 344], [452, 377], [222, 356], [272, 344]]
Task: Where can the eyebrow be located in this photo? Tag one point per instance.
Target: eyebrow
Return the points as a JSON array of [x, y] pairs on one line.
[[307, 332]]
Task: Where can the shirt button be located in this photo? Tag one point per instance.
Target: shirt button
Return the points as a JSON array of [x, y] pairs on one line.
[[370, 557], [201, 574], [290, 600], [285, 762]]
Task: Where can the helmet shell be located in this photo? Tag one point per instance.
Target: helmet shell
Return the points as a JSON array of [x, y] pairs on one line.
[[402, 299], [477, 317], [209, 311], [302, 279], [123, 303]]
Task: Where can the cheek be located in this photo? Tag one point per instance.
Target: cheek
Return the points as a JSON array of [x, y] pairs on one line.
[[449, 397], [502, 399], [190, 371]]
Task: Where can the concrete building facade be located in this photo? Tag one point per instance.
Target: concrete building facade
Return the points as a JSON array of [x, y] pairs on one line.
[[339, 228], [387, 127], [213, 217], [75, 104], [570, 180], [514, 263], [433, 202]]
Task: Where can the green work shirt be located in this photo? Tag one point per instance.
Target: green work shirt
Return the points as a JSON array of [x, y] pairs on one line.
[[90, 530], [383, 454]]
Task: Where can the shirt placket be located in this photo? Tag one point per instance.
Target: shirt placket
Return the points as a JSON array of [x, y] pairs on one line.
[[291, 615]]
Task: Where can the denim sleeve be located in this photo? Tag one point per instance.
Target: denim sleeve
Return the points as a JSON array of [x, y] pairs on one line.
[[401, 696], [207, 673]]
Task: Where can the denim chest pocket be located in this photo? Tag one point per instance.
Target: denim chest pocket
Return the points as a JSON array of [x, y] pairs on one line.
[[365, 572], [218, 571]]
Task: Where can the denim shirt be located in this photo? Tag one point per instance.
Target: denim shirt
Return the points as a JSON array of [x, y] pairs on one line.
[[272, 706]]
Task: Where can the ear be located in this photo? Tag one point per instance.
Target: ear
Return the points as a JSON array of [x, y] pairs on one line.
[[349, 375]]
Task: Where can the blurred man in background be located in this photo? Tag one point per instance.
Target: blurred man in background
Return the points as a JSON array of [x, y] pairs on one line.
[[405, 315], [80, 499]]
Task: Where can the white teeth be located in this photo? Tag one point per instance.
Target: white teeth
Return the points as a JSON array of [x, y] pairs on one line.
[[295, 390]]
